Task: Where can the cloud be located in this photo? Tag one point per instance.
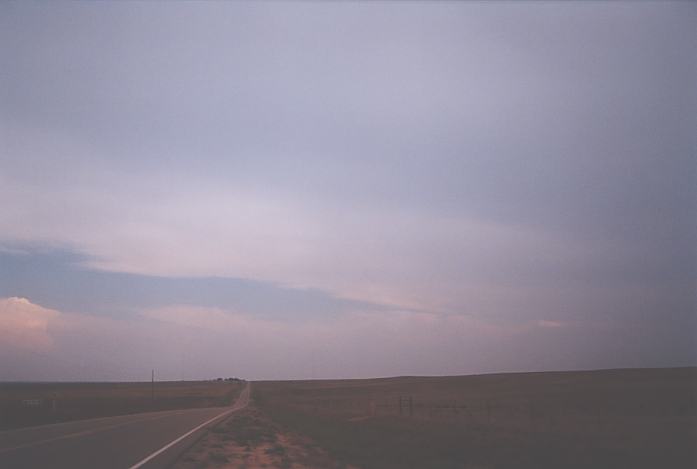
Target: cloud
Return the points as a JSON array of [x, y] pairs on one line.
[[552, 324], [193, 342], [465, 159], [408, 259], [25, 325], [493, 174], [215, 320]]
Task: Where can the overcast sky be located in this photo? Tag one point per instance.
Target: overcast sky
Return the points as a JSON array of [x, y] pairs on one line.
[[346, 189]]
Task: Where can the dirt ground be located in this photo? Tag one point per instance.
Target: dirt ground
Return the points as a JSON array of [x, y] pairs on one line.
[[249, 439]]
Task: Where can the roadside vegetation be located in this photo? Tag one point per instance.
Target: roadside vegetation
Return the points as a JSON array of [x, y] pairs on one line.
[[249, 439], [604, 419], [28, 404]]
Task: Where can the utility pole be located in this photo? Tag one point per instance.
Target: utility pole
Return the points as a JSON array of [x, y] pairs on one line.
[[152, 387]]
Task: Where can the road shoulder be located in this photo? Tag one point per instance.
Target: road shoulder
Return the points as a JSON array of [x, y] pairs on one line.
[[250, 439]]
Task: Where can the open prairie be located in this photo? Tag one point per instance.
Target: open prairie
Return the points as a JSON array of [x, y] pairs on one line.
[[612, 418], [27, 404]]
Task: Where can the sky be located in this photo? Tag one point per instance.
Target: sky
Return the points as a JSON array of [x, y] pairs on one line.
[[279, 190]]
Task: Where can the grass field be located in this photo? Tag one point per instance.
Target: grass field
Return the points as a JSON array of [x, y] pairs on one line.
[[645, 418], [26, 404], [249, 439]]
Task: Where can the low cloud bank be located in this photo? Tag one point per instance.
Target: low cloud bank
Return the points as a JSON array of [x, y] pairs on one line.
[[193, 342]]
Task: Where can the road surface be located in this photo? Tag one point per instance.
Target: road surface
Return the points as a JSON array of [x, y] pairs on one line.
[[149, 440]]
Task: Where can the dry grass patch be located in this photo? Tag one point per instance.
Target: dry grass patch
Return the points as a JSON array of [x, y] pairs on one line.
[[75, 401], [248, 439], [602, 419]]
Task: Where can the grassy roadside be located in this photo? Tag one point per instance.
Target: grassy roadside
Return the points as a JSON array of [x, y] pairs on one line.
[[249, 439], [62, 402], [638, 419]]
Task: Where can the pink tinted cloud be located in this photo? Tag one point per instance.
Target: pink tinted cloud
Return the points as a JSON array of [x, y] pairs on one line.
[[25, 325], [193, 342]]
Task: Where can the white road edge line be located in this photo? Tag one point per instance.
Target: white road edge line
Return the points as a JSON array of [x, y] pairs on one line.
[[169, 445]]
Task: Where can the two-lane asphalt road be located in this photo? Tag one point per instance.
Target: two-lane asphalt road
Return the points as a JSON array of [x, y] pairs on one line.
[[148, 440]]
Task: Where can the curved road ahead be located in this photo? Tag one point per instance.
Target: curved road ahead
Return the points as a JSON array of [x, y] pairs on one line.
[[149, 440]]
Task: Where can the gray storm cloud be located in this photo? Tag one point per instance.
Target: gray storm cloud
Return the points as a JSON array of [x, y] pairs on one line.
[[512, 163]]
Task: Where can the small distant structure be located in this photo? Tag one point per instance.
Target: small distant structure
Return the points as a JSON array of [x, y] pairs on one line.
[[32, 402]]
